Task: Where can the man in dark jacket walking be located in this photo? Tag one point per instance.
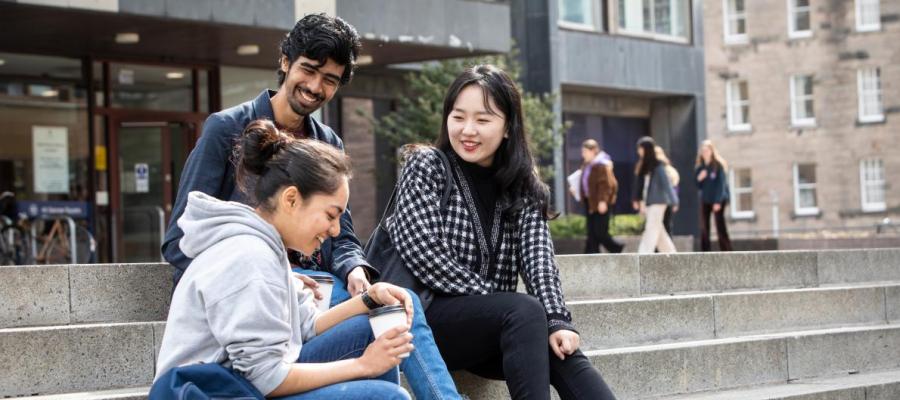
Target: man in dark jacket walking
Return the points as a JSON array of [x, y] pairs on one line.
[[598, 188], [317, 58]]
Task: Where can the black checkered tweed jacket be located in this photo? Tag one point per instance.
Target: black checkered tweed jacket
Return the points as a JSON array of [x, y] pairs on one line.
[[449, 253]]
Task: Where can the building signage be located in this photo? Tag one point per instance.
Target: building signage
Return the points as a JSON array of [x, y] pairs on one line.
[[51, 209], [50, 150], [141, 178]]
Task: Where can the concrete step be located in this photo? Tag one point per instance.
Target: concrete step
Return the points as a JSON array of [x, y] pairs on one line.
[[77, 358], [884, 385], [664, 319], [721, 364], [48, 295], [73, 294], [138, 393], [631, 275]]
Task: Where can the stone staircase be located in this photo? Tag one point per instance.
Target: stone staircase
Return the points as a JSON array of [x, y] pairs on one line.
[[810, 325]]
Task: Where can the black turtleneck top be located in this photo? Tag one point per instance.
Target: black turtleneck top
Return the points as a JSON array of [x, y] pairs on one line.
[[486, 192]]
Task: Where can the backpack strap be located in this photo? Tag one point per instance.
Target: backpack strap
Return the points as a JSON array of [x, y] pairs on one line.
[[445, 197]]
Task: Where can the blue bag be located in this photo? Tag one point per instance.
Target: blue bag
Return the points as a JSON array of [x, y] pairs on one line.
[[203, 382]]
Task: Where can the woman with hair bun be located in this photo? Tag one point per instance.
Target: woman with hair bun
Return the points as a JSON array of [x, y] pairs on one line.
[[240, 306]]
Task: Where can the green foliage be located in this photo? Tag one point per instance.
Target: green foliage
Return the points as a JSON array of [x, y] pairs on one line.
[[573, 226], [626, 225], [568, 226], [418, 115]]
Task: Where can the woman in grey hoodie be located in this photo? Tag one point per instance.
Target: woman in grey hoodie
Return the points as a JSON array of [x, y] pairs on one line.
[[240, 306]]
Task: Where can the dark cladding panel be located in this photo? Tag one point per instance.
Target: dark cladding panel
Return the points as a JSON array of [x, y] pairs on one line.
[[143, 7], [198, 10]]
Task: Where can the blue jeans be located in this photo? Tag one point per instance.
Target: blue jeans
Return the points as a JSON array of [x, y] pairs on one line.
[[354, 390], [425, 370]]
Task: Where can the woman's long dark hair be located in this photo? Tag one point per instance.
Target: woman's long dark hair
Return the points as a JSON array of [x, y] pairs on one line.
[[648, 161], [516, 173], [268, 160]]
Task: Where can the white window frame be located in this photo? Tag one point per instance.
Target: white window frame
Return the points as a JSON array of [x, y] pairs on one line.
[[592, 14], [863, 27], [864, 94], [793, 33], [731, 90], [614, 26], [864, 166], [736, 193], [728, 18], [797, 187], [799, 100]]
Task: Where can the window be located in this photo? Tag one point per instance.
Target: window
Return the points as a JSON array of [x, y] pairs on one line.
[[662, 19], [869, 94], [741, 193], [735, 19], [872, 188], [577, 13], [805, 189], [868, 16], [738, 102], [798, 19], [802, 113]]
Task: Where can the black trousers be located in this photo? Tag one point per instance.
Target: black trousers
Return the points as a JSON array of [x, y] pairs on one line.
[[598, 234], [504, 336], [721, 230]]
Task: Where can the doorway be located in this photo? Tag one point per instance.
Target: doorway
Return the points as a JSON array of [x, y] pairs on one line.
[[147, 158]]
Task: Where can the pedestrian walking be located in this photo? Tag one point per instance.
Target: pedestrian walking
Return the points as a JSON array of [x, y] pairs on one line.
[[653, 192], [711, 172], [598, 188]]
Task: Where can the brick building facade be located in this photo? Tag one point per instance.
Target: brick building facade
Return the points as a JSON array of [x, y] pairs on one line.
[[803, 100]]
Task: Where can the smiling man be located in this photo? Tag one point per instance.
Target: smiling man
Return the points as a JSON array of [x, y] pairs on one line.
[[317, 58]]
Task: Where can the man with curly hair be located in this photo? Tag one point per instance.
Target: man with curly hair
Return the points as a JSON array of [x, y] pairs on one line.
[[318, 56]]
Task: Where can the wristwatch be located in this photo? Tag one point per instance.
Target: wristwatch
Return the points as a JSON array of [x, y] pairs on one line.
[[368, 301]]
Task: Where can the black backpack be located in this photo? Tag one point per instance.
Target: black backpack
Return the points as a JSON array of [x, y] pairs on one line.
[[383, 256]]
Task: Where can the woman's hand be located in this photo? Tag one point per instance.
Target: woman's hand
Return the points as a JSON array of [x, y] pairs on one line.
[[564, 342], [357, 281], [717, 207], [387, 295], [383, 354], [310, 283], [701, 176]]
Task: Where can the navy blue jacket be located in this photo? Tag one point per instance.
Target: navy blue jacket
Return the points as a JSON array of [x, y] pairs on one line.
[[210, 170], [713, 189]]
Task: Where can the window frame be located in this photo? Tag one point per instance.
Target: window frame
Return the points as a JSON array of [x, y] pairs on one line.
[[737, 191], [861, 27], [865, 205], [805, 211], [862, 93], [799, 100], [591, 27], [793, 33], [727, 17], [731, 86], [689, 26]]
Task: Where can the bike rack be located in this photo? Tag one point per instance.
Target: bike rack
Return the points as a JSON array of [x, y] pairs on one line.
[[73, 245]]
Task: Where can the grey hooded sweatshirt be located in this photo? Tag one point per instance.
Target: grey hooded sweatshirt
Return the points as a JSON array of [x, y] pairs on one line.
[[238, 304]]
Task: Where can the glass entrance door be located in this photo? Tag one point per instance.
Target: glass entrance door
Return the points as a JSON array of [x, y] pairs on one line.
[[149, 158]]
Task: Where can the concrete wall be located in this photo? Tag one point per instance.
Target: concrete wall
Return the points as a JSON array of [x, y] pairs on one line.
[[452, 23]]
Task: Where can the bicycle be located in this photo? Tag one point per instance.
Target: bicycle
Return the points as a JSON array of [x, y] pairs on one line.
[[14, 239]]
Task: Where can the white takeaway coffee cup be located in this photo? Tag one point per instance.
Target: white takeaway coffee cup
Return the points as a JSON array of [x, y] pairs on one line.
[[384, 318], [326, 284]]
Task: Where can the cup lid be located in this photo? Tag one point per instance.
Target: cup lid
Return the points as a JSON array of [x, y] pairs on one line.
[[322, 278], [383, 310]]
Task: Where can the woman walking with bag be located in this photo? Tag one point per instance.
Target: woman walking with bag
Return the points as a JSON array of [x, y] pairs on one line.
[[240, 307], [469, 253], [653, 193], [711, 178]]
